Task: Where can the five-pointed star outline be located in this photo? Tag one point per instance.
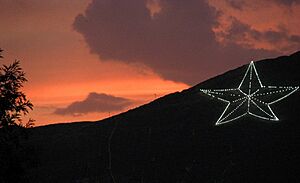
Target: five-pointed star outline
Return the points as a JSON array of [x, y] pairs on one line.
[[251, 97]]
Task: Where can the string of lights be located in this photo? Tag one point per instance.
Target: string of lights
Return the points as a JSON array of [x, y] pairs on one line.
[[249, 98]]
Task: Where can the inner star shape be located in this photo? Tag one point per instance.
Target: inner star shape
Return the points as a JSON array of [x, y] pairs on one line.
[[250, 98]]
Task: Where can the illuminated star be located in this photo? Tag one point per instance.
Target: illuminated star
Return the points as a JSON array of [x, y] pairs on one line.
[[250, 98]]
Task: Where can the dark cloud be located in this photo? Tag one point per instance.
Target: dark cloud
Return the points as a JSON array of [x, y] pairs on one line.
[[240, 4], [243, 33], [178, 43], [287, 2], [95, 102], [237, 4]]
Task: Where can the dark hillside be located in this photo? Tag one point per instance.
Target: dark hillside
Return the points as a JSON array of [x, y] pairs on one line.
[[174, 140]]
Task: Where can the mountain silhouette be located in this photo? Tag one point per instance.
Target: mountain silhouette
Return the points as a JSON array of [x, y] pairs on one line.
[[174, 139]]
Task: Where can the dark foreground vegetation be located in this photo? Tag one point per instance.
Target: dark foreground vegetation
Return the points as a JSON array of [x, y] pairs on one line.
[[15, 158]]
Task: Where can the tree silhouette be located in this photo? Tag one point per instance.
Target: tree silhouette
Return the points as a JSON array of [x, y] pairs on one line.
[[13, 105], [13, 102]]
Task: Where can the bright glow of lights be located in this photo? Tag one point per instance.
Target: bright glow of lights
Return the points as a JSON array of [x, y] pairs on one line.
[[251, 97]]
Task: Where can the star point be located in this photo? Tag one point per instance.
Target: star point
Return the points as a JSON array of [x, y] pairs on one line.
[[251, 97]]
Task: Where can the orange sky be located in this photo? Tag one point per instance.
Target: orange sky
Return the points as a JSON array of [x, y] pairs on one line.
[[61, 69]]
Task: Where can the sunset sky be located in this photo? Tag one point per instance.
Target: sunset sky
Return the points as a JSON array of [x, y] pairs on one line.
[[89, 59]]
